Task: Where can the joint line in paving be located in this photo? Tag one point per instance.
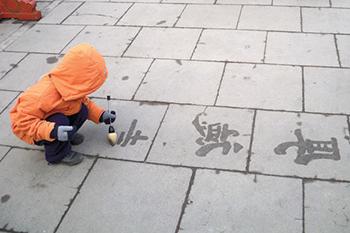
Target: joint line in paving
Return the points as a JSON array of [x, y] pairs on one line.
[[195, 47], [143, 78], [184, 204], [239, 16], [83, 28], [219, 86], [180, 15], [13, 67], [155, 136], [76, 194], [10, 148], [337, 50], [348, 121], [251, 142], [132, 41], [330, 3], [124, 13], [303, 204], [77, 8], [303, 88], [265, 47]]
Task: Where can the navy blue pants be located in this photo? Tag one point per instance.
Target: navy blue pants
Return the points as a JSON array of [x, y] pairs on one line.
[[56, 150]]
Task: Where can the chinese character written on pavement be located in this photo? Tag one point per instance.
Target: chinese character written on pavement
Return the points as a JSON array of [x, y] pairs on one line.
[[130, 135], [309, 150], [214, 136]]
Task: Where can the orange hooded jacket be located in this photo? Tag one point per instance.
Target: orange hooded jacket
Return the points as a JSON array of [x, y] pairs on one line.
[[63, 90]]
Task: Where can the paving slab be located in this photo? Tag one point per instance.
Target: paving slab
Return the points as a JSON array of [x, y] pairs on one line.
[[224, 45], [261, 86], [28, 71], [326, 20], [327, 90], [136, 126], [52, 38], [301, 49], [109, 41], [6, 97], [98, 13], [231, 202], [245, 2], [190, 1], [6, 29], [305, 145], [340, 3], [3, 151], [343, 43], [124, 77], [60, 13], [270, 18], [181, 82], [162, 15], [327, 207], [204, 137], [209, 16], [9, 61], [164, 43], [314, 3], [129, 197], [34, 195]]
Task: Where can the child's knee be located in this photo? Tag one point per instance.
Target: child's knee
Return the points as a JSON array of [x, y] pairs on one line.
[[84, 111], [59, 119]]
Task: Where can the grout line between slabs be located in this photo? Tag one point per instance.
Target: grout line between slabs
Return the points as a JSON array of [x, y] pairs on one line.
[[76, 194], [143, 78], [251, 142], [180, 15], [13, 67], [124, 13], [303, 204], [69, 15], [337, 50], [10, 148], [303, 88], [9, 104], [301, 20], [220, 83], [184, 204], [132, 41], [195, 47], [239, 16], [155, 136], [66, 46], [265, 48]]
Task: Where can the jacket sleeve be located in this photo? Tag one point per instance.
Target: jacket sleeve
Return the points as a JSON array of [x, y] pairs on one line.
[[95, 111], [29, 125]]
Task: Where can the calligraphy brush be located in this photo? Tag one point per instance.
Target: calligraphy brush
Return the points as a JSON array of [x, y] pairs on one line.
[[112, 135]]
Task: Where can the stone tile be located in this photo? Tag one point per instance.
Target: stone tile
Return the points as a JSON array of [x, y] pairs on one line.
[[3, 151], [327, 90], [109, 41], [231, 202], [124, 77], [5, 99], [189, 136], [34, 195], [164, 43], [224, 45], [129, 197], [276, 131], [28, 71], [326, 20], [59, 13], [132, 117], [152, 15], [98, 13], [344, 50], [7, 29], [8, 61], [181, 82], [245, 2], [52, 38], [340, 3], [209, 16], [264, 18], [320, 3], [301, 49], [261, 86], [329, 203], [190, 1]]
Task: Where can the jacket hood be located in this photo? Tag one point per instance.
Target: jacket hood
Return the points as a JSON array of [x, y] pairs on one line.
[[81, 72]]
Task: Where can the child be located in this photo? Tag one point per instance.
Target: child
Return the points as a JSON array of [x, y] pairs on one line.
[[51, 111]]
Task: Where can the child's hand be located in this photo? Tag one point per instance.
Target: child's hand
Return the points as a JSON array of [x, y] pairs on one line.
[[63, 132], [108, 117]]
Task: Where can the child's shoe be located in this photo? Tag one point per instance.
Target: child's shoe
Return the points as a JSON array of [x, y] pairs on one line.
[[77, 139], [73, 158]]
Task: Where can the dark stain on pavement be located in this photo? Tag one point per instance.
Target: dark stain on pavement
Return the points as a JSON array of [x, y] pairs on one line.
[[5, 198], [51, 60]]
